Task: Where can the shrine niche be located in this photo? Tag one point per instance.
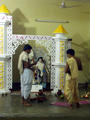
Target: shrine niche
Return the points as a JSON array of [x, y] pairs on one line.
[[52, 49], [39, 50]]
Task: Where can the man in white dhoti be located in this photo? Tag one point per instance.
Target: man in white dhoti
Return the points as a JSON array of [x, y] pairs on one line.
[[26, 74]]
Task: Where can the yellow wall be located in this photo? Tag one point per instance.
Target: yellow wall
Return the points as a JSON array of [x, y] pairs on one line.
[[89, 43], [25, 12]]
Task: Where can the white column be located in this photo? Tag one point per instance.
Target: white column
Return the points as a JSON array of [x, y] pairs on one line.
[[60, 61], [3, 53]]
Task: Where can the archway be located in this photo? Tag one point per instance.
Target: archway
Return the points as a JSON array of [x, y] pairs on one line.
[[40, 50]]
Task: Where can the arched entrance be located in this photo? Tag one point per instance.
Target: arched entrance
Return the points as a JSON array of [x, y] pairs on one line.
[[41, 47]]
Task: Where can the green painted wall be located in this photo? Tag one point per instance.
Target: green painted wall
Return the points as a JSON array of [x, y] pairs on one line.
[[25, 12]]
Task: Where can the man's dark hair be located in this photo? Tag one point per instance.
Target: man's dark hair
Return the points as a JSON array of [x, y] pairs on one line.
[[27, 47], [71, 52]]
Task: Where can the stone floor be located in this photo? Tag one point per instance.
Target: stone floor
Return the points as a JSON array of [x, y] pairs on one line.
[[12, 109]]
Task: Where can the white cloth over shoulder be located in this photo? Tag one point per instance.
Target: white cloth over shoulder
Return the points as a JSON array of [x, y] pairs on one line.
[[24, 56], [31, 55]]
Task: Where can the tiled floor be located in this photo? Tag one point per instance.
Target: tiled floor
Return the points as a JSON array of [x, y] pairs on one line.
[[12, 109]]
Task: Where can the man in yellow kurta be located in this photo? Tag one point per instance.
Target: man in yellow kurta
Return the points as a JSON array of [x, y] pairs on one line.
[[71, 83]]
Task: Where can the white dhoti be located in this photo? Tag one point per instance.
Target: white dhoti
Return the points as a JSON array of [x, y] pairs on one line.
[[26, 82]]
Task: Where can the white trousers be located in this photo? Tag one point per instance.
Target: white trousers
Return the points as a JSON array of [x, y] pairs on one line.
[[26, 82]]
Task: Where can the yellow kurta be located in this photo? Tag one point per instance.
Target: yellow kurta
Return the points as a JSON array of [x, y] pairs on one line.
[[71, 83]]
